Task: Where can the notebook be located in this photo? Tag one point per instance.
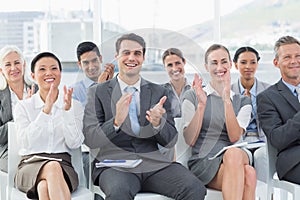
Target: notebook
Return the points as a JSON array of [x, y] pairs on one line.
[[119, 163]]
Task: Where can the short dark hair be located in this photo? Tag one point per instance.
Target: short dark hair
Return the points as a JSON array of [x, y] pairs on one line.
[[87, 46], [43, 55], [132, 37], [283, 41], [172, 51], [245, 49], [213, 48]]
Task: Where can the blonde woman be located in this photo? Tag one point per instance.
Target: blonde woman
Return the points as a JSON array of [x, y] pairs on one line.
[[13, 89]]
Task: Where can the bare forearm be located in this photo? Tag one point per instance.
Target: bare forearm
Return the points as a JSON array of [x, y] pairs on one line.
[[191, 132]]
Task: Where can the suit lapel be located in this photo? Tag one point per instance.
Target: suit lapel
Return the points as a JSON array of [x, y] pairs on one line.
[[115, 94], [286, 94], [145, 100]]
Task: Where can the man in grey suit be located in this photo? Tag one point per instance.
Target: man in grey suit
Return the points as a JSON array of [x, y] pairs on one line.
[[279, 110], [108, 125]]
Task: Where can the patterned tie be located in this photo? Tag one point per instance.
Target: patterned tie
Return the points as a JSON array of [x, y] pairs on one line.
[[133, 111], [298, 93]]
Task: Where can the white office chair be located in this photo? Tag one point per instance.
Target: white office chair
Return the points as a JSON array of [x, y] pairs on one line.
[[3, 184], [274, 182], [82, 193]]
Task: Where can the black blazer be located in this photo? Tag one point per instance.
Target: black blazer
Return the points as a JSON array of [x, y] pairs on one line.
[[279, 116]]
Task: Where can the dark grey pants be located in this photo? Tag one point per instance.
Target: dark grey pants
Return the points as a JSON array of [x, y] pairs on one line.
[[174, 181]]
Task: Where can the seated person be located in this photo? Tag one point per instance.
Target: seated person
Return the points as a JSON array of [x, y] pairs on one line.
[[174, 63], [129, 125], [14, 88], [278, 109], [90, 62], [215, 117], [246, 62], [48, 124]]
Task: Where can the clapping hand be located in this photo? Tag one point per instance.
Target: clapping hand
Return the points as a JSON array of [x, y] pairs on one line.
[[30, 92], [50, 99], [122, 108], [197, 86], [107, 74], [67, 98], [155, 114], [226, 87]]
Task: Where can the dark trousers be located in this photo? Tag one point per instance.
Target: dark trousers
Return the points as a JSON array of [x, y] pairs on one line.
[[293, 175], [174, 181]]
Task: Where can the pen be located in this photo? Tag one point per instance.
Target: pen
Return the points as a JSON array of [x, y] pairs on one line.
[[114, 161]]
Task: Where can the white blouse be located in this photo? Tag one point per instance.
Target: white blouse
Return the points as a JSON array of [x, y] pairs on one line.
[[57, 132]]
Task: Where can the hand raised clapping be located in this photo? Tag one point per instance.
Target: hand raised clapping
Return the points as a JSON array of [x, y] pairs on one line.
[[67, 98], [154, 115], [197, 86]]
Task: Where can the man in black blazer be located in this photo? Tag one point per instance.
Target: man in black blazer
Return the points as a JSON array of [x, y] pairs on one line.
[[107, 126], [278, 109]]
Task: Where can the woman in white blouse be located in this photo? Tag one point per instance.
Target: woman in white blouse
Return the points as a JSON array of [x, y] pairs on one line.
[[48, 124]]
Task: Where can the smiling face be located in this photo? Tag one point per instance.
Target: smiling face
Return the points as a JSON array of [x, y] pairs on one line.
[[288, 61], [46, 73], [90, 63], [130, 59], [174, 65], [247, 65], [13, 68], [218, 64]]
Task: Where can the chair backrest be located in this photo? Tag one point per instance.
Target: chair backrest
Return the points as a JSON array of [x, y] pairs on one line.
[[78, 165], [13, 156], [272, 156], [183, 151]]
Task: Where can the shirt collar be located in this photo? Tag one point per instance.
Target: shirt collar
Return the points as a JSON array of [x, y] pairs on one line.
[[24, 91], [252, 90], [123, 85], [211, 91], [290, 86], [185, 83], [87, 82]]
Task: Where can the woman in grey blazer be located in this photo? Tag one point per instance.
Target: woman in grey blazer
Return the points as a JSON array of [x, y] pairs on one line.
[[13, 88], [246, 62]]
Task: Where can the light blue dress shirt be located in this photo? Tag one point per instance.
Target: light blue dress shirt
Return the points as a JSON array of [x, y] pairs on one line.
[[80, 90], [252, 127]]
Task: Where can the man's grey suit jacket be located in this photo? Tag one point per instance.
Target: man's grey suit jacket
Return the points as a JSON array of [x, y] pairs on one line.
[[108, 143], [279, 116]]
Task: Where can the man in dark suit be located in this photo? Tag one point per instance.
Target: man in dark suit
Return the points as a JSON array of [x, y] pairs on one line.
[[109, 126], [279, 109]]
